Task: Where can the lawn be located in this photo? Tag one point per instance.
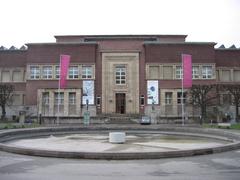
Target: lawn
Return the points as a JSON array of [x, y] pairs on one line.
[[17, 125], [233, 126]]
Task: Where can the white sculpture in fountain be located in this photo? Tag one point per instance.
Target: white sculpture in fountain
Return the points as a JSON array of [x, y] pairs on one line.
[[117, 137]]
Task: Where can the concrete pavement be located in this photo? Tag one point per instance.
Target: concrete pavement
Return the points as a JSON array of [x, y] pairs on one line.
[[222, 166]]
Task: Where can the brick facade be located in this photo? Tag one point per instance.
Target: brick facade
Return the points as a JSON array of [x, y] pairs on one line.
[[157, 51]]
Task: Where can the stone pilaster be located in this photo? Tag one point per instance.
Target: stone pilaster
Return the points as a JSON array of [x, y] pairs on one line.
[[65, 103], [78, 102], [51, 103]]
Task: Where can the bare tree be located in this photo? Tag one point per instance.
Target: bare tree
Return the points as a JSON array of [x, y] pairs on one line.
[[234, 90], [202, 96], [6, 92]]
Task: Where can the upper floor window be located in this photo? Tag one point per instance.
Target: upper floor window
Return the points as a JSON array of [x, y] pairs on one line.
[[73, 72], [57, 72], [6, 76], [179, 72], [207, 72], [34, 72], [87, 72], [120, 74], [47, 72], [195, 72]]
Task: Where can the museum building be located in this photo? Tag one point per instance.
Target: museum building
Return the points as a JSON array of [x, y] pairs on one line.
[[115, 74]]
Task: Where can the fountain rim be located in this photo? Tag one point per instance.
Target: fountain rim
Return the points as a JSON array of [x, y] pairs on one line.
[[8, 135]]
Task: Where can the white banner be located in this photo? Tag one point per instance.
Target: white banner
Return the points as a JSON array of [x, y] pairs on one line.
[[88, 92], [152, 92]]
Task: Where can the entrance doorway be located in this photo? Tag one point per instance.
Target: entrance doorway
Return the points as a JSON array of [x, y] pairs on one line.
[[120, 103]]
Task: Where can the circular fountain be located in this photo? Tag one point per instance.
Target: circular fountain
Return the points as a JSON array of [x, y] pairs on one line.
[[117, 143]]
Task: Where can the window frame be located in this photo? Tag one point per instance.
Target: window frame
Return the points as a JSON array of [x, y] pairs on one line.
[[194, 74], [169, 100], [72, 99], [45, 98], [179, 97], [206, 74], [47, 72], [36, 73], [73, 72], [87, 72], [120, 74], [179, 72], [57, 72], [59, 98]]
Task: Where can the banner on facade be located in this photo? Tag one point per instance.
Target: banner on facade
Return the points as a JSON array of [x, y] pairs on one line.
[[64, 63], [88, 92], [152, 92], [187, 70]]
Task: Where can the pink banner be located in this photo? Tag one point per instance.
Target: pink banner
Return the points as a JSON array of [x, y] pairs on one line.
[[187, 70], [64, 63]]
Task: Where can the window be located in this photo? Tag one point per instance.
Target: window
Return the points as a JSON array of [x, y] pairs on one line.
[[45, 98], [154, 72], [47, 72], [207, 72], [168, 98], [236, 75], [227, 99], [179, 73], [72, 98], [34, 72], [167, 72], [86, 72], [120, 74], [98, 100], [17, 76], [226, 75], [179, 97], [195, 72], [58, 98], [73, 72], [57, 72], [142, 100], [16, 99], [6, 76]]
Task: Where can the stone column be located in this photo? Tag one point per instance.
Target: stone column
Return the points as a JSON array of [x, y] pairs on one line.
[[65, 103], [39, 101], [231, 75], [78, 102], [174, 104], [51, 103]]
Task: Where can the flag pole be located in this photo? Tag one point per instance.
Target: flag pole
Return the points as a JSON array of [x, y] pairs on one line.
[[182, 94]]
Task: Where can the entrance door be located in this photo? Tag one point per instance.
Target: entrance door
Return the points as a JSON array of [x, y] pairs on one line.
[[120, 103]]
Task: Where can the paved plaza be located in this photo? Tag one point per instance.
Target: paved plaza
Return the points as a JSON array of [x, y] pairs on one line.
[[220, 166]]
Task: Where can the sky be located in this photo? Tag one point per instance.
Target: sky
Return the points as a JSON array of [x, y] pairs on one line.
[[33, 21]]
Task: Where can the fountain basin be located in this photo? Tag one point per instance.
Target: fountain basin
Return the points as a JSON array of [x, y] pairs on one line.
[[141, 143]]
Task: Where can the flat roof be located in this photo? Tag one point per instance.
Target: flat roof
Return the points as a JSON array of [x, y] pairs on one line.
[[178, 43], [64, 43], [117, 36]]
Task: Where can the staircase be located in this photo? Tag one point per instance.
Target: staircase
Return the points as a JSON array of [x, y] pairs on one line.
[[122, 119]]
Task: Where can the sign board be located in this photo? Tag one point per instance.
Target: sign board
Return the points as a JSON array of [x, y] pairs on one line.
[[88, 92], [152, 92]]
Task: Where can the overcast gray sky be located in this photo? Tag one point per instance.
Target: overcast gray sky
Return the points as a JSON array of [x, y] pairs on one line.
[[25, 21]]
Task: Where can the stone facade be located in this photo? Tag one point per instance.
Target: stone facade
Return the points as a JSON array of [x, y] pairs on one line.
[[130, 88]]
